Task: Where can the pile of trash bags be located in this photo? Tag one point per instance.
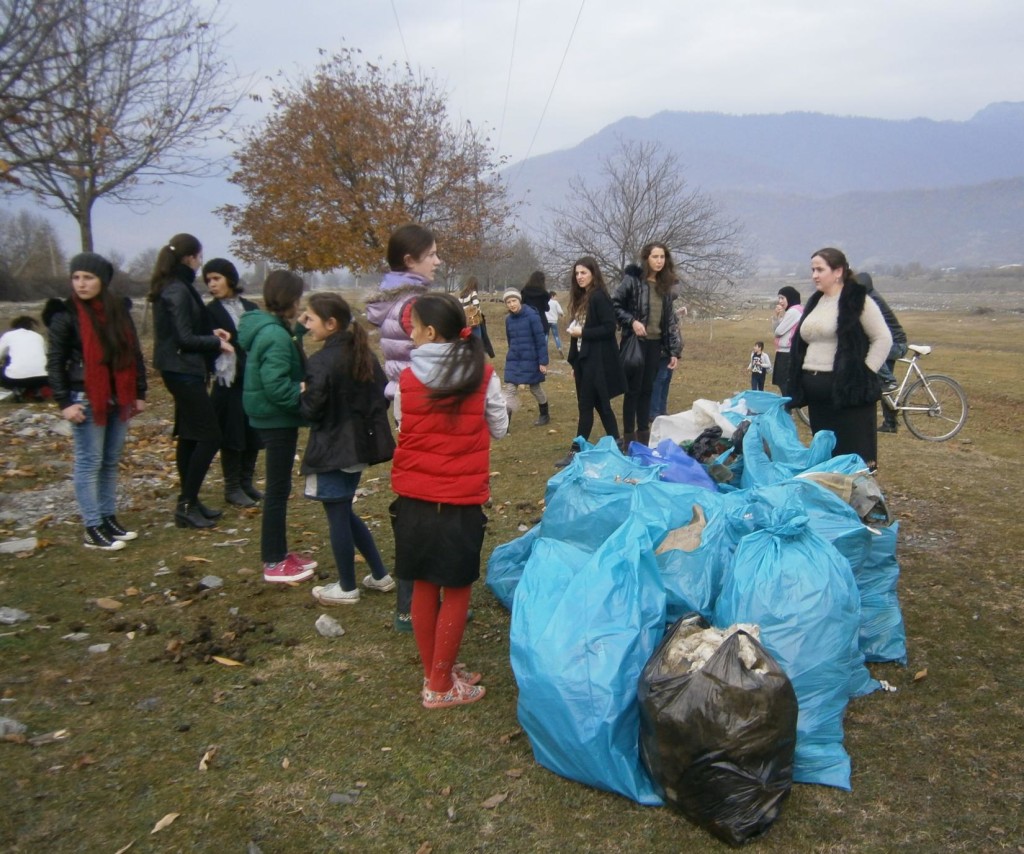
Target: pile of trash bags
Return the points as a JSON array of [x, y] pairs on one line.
[[783, 537]]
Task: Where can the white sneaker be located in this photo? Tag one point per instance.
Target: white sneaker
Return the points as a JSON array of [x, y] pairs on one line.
[[332, 594], [384, 584]]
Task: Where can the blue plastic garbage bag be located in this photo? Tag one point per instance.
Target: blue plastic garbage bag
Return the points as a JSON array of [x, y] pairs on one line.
[[583, 627], [678, 466], [801, 592], [740, 407], [882, 633], [773, 452], [506, 563], [593, 495]]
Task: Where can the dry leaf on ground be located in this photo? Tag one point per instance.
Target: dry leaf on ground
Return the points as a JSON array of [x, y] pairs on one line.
[[166, 821], [494, 800]]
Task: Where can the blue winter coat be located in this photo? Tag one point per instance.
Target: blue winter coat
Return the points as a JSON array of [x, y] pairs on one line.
[[527, 347]]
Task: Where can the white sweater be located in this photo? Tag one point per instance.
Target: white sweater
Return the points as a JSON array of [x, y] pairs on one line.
[[819, 331]]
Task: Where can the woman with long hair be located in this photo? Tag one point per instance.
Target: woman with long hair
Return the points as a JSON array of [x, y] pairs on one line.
[[469, 299], [98, 378], [643, 306], [838, 348], [186, 344], [596, 368]]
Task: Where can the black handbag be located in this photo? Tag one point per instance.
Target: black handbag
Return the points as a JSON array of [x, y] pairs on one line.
[[380, 443], [631, 354]]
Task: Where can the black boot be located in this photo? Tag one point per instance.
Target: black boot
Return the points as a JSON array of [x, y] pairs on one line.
[[208, 512], [543, 418], [623, 443], [188, 515], [509, 411], [231, 466], [643, 437], [574, 449], [248, 471]]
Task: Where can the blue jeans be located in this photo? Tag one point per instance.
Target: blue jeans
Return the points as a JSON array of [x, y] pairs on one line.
[[659, 391], [97, 454], [553, 329]]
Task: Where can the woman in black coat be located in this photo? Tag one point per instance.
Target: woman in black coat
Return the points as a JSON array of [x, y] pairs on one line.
[[592, 352], [535, 294], [240, 443]]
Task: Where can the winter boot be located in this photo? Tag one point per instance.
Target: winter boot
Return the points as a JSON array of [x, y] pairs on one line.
[[248, 471], [231, 466], [623, 443], [544, 417], [188, 515], [643, 437], [574, 449], [509, 411]]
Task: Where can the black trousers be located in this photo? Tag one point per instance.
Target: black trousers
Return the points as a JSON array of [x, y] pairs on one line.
[[636, 406], [855, 426], [279, 458]]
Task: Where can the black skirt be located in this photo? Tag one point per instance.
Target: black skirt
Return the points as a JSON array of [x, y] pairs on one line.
[[439, 543], [194, 416]]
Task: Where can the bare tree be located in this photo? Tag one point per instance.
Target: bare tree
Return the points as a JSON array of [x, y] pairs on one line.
[[642, 197], [29, 247], [130, 90]]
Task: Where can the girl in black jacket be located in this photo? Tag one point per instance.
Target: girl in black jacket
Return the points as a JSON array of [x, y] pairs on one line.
[[343, 399]]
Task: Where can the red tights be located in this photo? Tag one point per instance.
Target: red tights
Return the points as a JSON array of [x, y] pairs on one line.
[[438, 625]]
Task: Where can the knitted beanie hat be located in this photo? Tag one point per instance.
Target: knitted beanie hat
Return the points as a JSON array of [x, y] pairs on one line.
[[224, 268], [511, 293], [90, 262]]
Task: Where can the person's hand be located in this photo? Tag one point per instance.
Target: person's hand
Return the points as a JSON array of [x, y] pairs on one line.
[[543, 369], [673, 363], [225, 347], [778, 312], [140, 406], [74, 413], [223, 334], [639, 329]]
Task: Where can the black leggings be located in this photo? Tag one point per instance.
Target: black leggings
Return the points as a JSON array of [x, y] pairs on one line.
[[636, 406], [590, 399]]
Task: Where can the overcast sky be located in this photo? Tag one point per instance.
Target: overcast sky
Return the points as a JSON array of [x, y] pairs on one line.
[[591, 63]]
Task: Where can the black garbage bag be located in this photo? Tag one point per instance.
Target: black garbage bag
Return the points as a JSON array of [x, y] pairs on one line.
[[718, 742]]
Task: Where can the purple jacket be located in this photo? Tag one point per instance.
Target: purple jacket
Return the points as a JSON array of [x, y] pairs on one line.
[[384, 310]]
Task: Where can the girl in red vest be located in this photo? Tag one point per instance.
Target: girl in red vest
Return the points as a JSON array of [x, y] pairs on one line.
[[448, 406]]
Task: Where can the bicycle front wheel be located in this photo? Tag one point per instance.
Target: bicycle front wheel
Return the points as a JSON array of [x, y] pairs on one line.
[[934, 408]]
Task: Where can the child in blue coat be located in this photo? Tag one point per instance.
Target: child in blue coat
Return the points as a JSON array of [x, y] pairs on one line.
[[527, 359]]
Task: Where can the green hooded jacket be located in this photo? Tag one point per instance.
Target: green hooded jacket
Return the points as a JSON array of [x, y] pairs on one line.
[[274, 369]]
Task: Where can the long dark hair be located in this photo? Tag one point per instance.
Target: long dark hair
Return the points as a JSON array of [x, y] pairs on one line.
[[281, 290], [835, 259], [171, 254], [357, 354], [117, 340], [579, 298], [666, 277], [462, 370]]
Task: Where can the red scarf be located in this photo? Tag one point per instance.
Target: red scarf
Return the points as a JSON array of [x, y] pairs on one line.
[[97, 374]]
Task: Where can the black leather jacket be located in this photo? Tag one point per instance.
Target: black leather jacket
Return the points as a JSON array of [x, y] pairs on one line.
[[184, 340], [632, 300], [64, 363]]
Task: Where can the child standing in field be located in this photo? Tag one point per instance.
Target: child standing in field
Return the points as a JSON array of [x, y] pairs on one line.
[[413, 259], [759, 366], [343, 400], [527, 359], [448, 406]]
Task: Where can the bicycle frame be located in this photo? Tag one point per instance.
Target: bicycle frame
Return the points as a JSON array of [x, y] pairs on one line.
[[913, 374]]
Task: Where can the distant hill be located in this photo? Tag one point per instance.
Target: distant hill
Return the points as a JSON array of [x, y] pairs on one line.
[[938, 193]]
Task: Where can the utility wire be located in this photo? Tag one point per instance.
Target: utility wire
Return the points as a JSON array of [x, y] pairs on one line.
[[401, 35], [508, 83], [543, 113]]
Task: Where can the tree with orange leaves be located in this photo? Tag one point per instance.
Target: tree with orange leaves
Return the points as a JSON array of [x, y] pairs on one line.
[[350, 154]]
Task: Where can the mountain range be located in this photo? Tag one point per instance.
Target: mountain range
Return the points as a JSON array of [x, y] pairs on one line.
[[888, 192]]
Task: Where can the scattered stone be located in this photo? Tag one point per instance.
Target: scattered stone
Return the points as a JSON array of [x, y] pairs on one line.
[[9, 726], [76, 637], [329, 627], [150, 704], [108, 604], [13, 547], [10, 616], [344, 798], [211, 582], [98, 648]]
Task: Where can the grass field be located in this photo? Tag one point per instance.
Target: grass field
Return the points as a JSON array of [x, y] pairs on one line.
[[322, 745]]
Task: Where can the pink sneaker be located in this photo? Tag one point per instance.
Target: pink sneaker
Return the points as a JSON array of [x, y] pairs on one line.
[[286, 571], [301, 560]]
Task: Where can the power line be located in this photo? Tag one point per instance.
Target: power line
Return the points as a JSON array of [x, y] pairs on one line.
[[401, 35], [529, 150], [508, 83]]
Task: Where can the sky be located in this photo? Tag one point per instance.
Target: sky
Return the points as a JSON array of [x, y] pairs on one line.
[[542, 75]]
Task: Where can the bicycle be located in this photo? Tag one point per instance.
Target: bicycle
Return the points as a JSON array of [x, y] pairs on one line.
[[934, 406]]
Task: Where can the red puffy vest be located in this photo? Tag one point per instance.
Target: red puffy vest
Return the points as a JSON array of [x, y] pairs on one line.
[[442, 456]]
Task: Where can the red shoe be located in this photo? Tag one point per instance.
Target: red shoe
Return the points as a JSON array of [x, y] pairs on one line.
[[286, 571], [304, 562]]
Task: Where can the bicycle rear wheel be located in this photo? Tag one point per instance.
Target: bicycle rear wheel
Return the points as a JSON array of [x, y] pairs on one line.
[[935, 408]]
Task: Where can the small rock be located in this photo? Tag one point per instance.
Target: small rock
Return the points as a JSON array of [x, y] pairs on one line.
[[329, 627], [150, 704], [10, 616], [344, 798], [76, 637], [98, 648], [13, 547], [211, 582], [9, 726]]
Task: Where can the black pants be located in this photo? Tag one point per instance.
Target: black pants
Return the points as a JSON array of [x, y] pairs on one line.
[[589, 399], [636, 406], [279, 457], [854, 426]]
